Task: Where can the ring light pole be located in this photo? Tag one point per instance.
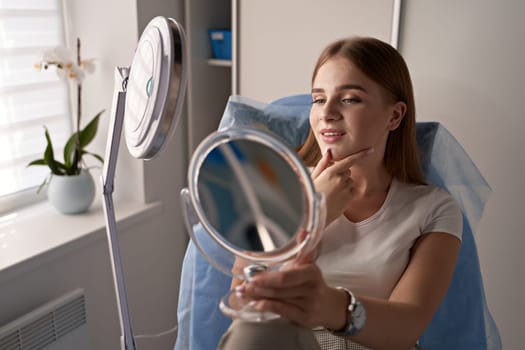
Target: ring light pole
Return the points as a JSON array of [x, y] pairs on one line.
[[147, 103]]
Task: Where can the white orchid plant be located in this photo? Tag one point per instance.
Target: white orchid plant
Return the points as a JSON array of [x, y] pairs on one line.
[[68, 68]]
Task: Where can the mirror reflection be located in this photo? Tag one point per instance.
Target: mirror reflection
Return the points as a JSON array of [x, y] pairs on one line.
[[251, 196]]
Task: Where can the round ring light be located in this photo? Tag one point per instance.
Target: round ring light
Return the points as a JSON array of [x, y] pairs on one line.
[[155, 87]]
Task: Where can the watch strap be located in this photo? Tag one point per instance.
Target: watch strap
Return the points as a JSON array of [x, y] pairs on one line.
[[350, 327]]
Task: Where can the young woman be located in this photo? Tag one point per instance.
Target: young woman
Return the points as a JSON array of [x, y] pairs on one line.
[[388, 252]]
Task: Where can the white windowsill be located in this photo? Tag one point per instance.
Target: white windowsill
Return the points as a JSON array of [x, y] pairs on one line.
[[38, 233]]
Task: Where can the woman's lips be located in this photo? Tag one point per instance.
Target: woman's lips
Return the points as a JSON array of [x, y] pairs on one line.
[[331, 135]]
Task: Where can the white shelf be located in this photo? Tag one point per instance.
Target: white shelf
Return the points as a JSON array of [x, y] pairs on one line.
[[209, 79], [219, 62], [39, 232]]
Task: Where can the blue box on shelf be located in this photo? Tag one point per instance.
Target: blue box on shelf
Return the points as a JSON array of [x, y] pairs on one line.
[[221, 43]]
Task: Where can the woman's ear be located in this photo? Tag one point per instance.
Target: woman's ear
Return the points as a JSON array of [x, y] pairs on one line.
[[397, 113]]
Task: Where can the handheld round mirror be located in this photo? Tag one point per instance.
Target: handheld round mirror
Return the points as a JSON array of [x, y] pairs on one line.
[[148, 99], [250, 202]]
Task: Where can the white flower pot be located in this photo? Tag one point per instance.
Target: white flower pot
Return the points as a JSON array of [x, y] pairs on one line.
[[71, 194]]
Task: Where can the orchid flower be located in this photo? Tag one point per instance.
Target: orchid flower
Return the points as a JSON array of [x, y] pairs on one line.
[[64, 61]]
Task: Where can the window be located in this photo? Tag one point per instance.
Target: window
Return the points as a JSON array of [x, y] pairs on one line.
[[29, 99]]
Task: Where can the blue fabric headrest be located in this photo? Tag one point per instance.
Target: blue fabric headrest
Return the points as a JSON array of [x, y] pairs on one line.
[[286, 118]]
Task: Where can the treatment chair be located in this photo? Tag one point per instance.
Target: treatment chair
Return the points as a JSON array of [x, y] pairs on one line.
[[462, 321]]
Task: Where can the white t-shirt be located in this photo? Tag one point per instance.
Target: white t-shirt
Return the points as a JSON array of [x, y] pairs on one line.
[[369, 257]]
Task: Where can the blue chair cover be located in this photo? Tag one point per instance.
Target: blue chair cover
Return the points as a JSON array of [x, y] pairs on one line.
[[462, 321]]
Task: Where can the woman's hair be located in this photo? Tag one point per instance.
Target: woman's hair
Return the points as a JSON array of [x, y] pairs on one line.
[[384, 65]]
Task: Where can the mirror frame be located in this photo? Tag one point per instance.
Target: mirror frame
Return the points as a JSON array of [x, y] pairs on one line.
[[310, 221]]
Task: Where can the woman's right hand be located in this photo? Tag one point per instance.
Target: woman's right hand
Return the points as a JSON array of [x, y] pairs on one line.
[[334, 179]]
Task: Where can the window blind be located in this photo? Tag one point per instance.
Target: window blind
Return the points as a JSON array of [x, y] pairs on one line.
[[29, 99]]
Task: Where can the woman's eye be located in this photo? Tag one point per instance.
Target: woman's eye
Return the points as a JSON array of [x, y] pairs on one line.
[[318, 100], [350, 100]]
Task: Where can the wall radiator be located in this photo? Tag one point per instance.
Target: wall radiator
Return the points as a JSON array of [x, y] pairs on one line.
[[58, 325]]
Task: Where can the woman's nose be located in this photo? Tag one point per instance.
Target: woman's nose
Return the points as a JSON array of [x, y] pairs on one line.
[[330, 111]]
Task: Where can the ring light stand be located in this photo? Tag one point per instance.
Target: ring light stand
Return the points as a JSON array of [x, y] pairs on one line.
[[147, 103]]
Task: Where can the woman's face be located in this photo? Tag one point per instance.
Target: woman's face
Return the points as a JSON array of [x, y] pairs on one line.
[[349, 110]]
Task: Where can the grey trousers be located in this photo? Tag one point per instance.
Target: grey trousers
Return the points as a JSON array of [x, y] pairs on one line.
[[281, 334], [277, 334]]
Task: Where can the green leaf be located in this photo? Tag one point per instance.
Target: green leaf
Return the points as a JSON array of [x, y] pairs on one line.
[[69, 149], [37, 162], [49, 156], [61, 166], [88, 133], [56, 167], [72, 156], [73, 168], [100, 159]]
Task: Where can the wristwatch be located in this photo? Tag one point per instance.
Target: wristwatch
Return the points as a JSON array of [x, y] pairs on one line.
[[355, 316]]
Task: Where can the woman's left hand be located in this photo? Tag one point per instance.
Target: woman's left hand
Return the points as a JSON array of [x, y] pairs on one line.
[[297, 293]]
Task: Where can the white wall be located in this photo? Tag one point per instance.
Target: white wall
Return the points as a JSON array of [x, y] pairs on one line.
[[152, 248], [466, 59], [279, 41]]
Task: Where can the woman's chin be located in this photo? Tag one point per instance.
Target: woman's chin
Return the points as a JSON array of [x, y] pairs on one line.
[[338, 154], [342, 154]]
